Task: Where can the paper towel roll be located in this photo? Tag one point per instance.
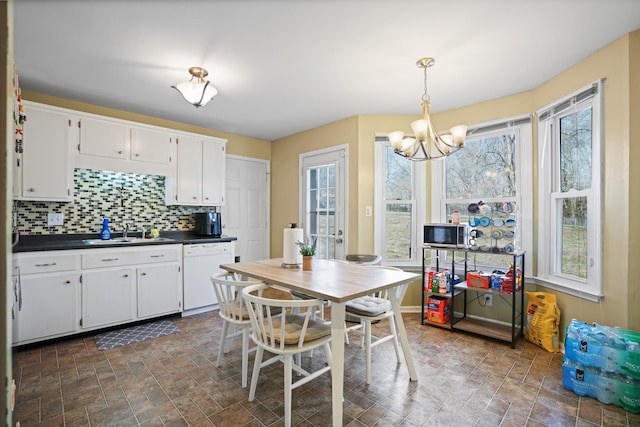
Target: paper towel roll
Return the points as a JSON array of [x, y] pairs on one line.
[[291, 251]]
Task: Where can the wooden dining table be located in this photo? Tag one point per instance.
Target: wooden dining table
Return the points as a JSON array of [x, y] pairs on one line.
[[337, 282]]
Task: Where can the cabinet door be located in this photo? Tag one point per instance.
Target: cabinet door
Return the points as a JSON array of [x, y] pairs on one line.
[[108, 297], [213, 164], [46, 171], [49, 306], [104, 138], [158, 290], [150, 146], [189, 179]]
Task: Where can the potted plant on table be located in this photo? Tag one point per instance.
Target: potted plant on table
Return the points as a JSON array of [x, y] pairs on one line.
[[307, 250]]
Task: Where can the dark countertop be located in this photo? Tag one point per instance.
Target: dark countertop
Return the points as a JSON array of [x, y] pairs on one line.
[[54, 242]]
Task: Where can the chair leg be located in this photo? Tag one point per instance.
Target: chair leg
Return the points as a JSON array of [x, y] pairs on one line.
[[223, 340], [394, 331], [256, 371], [245, 355], [367, 347], [346, 334], [288, 379]]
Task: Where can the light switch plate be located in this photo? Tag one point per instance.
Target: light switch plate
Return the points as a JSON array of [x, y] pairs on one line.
[[55, 219]]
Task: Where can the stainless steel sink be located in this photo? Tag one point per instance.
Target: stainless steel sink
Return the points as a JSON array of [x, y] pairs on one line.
[[120, 241]]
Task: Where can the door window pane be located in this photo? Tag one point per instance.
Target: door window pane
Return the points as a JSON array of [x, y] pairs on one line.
[[321, 193]]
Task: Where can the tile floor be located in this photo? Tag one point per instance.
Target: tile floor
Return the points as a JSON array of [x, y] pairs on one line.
[[172, 381]]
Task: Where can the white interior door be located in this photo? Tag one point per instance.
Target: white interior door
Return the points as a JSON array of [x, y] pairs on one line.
[[245, 214], [323, 195]]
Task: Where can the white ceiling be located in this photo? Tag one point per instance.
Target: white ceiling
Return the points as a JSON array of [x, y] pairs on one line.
[[284, 66]]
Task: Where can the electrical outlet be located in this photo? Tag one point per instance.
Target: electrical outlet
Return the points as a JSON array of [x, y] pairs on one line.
[[488, 300], [368, 211], [55, 219]]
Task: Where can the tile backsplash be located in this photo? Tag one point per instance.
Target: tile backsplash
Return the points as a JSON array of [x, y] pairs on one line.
[[124, 198]]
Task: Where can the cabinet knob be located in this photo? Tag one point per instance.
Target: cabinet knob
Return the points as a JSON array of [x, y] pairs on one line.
[[126, 275], [194, 197], [206, 198], [67, 282], [31, 190], [119, 151], [137, 155], [143, 274]]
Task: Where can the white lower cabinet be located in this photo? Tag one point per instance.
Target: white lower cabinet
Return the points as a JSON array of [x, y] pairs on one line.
[[49, 306], [45, 296], [60, 293], [108, 297], [124, 284], [157, 292]]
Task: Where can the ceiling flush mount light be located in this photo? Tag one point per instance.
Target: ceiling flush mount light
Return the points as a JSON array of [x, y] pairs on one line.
[[197, 91], [426, 143]]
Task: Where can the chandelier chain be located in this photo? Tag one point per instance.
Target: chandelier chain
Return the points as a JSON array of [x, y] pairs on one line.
[[425, 96]]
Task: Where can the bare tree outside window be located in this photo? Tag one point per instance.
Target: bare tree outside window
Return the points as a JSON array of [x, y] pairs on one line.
[[399, 206]]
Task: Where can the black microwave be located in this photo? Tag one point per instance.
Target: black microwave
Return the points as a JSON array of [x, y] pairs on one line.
[[446, 235]]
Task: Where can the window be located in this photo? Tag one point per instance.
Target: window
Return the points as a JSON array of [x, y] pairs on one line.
[[320, 220], [489, 183], [569, 236], [400, 206]]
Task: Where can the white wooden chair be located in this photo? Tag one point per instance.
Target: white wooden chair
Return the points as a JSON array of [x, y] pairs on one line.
[[228, 288], [292, 332], [372, 308]]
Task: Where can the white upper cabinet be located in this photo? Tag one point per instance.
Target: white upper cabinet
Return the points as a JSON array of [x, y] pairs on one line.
[[213, 173], [153, 146], [189, 179], [200, 173], [43, 170], [118, 145], [99, 137]]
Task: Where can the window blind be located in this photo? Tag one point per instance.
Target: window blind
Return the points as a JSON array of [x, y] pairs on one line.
[[567, 103]]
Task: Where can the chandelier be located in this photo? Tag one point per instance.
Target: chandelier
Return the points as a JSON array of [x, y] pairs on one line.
[[199, 91], [426, 143]]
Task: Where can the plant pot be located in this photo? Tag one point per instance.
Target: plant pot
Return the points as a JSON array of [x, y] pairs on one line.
[[307, 262]]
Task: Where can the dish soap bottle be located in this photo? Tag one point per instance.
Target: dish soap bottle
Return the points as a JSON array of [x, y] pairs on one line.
[[105, 233]]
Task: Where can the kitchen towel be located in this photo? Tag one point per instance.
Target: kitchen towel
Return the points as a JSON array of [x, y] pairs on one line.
[[290, 250]]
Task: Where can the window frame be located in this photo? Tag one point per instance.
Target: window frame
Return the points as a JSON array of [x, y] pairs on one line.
[[522, 126], [549, 194], [419, 191]]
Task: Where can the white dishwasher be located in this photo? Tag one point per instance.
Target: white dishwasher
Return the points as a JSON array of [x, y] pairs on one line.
[[199, 262]]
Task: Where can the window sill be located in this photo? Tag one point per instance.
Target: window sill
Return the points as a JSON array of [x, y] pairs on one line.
[[565, 290]]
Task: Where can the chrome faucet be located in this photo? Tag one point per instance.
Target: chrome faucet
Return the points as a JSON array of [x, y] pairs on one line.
[[125, 232]]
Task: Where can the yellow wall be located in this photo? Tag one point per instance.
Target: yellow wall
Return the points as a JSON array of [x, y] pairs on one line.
[[619, 63], [285, 175], [237, 144], [633, 274]]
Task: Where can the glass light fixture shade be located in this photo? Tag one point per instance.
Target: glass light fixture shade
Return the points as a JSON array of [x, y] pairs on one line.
[[196, 93], [458, 134], [395, 138], [408, 146], [420, 128]]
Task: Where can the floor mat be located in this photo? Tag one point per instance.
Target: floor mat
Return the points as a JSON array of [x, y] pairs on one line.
[[134, 334]]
